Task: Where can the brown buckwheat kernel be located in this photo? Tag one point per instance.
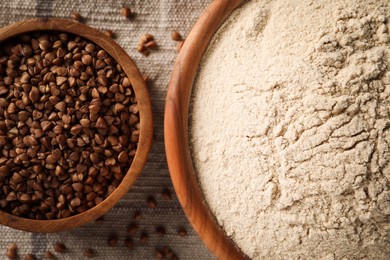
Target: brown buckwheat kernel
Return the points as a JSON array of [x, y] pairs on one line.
[[126, 12], [89, 252], [76, 16], [175, 35], [12, 251], [59, 247]]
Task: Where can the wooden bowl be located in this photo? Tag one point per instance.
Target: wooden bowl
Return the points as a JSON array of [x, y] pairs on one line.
[[176, 131], [145, 114]]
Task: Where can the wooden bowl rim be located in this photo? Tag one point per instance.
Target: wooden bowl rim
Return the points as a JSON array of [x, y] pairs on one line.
[[145, 112], [176, 131]]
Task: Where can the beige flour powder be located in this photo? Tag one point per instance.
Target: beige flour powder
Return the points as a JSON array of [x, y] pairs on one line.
[[290, 129]]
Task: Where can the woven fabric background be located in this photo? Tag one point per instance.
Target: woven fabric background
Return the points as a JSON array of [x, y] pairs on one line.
[[158, 17]]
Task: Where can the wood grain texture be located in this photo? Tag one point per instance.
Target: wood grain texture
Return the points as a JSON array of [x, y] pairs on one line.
[[145, 111], [176, 131]]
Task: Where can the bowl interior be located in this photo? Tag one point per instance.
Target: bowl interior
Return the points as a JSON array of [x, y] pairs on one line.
[[145, 115]]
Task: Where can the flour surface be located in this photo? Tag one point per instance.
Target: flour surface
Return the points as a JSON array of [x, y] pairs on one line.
[[290, 129]]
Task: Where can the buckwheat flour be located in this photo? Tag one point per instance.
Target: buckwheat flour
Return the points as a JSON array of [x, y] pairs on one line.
[[290, 129]]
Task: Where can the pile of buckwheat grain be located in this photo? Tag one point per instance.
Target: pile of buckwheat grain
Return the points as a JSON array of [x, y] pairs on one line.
[[69, 125]]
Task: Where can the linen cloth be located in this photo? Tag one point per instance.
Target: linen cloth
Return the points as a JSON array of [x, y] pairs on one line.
[[158, 17]]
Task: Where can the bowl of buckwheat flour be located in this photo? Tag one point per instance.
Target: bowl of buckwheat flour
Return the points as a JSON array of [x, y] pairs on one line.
[[75, 124], [283, 129]]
